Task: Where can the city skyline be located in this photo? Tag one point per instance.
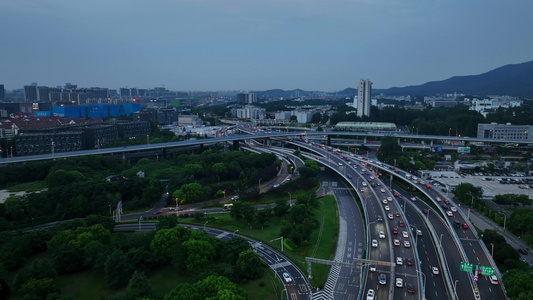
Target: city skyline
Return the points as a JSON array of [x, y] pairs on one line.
[[236, 45]]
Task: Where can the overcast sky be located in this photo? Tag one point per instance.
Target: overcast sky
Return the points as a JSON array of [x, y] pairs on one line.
[[325, 45]]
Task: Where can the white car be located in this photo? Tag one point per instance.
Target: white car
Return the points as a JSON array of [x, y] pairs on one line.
[[396, 242], [435, 270], [418, 232], [381, 235], [399, 282], [389, 199], [399, 261], [276, 185], [405, 234], [494, 279], [382, 190], [370, 294], [438, 199], [453, 208], [374, 243], [406, 244], [387, 208], [385, 201], [413, 198], [364, 184], [390, 216], [449, 213], [372, 268], [287, 277]]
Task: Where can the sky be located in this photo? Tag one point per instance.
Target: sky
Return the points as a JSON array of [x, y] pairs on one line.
[[222, 45]]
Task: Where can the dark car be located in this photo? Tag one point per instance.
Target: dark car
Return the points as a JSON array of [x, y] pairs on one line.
[[395, 230], [401, 223], [409, 262], [158, 212], [411, 289], [465, 226], [380, 219], [523, 251], [426, 211]]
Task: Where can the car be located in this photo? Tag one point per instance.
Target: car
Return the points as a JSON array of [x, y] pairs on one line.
[[428, 186], [395, 230], [465, 226], [372, 268], [396, 242], [399, 261], [449, 213], [396, 194], [374, 243], [413, 198], [406, 244], [378, 183], [382, 190], [397, 214], [379, 219], [399, 282], [372, 178], [411, 289], [382, 279], [453, 208], [385, 201], [158, 212], [276, 185], [523, 251], [390, 216], [389, 198], [370, 294], [435, 270], [439, 199], [426, 211], [364, 184], [401, 223], [418, 232], [409, 262], [287, 277], [387, 208], [381, 235], [447, 201], [405, 234], [494, 279]]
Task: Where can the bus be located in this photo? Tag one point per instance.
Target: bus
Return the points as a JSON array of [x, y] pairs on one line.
[[227, 206]]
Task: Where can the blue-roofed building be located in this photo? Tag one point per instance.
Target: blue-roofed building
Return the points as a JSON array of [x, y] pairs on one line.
[[39, 113], [66, 111], [97, 111]]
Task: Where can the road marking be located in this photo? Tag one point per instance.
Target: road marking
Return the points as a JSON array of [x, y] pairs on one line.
[[294, 296], [303, 288]]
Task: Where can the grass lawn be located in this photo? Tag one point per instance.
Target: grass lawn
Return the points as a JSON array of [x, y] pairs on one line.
[[28, 187], [321, 245], [267, 287], [86, 285]]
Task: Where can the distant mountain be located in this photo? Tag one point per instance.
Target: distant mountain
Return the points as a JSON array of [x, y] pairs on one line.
[[282, 93], [513, 80]]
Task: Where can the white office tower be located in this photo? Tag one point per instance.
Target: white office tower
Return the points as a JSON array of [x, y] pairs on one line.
[[364, 91]]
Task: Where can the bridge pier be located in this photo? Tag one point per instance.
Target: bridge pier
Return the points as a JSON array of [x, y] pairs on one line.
[[328, 142]]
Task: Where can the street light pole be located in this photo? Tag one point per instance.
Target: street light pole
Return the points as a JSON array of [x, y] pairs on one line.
[[290, 198], [416, 233], [504, 219], [235, 232], [205, 224], [140, 219], [424, 279], [492, 250], [440, 240], [455, 288]]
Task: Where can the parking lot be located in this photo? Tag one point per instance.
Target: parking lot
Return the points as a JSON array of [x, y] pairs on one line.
[[490, 184]]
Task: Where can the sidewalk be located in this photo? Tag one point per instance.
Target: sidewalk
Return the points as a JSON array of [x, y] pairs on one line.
[[483, 223]]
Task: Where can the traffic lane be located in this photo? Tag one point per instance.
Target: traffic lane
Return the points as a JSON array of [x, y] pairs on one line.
[[435, 285], [450, 249], [476, 256]]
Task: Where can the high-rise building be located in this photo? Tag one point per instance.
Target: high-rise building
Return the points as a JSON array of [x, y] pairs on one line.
[[30, 92], [43, 93], [248, 98], [364, 92], [2, 92]]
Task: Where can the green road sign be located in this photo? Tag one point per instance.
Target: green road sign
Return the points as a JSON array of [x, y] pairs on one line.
[[488, 271], [466, 267]]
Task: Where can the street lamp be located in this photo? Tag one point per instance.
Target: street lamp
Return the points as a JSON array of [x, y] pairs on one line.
[[205, 224], [259, 185], [235, 232], [416, 233], [504, 219], [290, 198], [455, 288], [492, 250], [140, 219], [440, 240]]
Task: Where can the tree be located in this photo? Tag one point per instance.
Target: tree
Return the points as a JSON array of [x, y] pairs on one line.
[[317, 117], [199, 254], [249, 265], [167, 222], [281, 208], [165, 240], [118, 269], [231, 249], [262, 216], [138, 286], [517, 282], [38, 288]]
